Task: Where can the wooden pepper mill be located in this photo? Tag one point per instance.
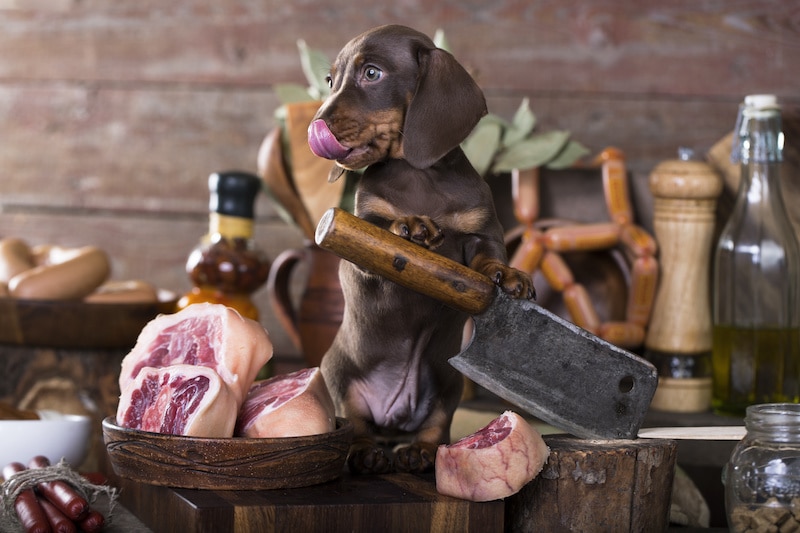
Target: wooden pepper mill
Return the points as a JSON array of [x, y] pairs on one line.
[[678, 341]]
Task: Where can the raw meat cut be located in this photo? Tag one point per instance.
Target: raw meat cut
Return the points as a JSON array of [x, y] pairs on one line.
[[289, 405], [178, 400], [492, 463], [204, 334]]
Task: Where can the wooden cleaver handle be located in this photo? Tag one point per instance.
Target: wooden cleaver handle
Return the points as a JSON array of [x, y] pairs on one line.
[[410, 265]]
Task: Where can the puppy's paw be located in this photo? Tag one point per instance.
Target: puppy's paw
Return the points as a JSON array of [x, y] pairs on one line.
[[366, 457], [417, 458], [515, 283], [421, 230]]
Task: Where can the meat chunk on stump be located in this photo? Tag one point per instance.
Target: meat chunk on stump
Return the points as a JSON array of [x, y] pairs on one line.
[[493, 463]]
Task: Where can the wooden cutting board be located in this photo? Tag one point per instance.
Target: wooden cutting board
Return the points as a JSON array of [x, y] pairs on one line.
[[394, 502], [586, 486]]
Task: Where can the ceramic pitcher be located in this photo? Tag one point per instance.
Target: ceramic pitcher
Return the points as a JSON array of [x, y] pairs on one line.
[[313, 322]]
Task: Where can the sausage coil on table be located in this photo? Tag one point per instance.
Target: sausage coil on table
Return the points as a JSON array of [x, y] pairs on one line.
[[67, 274]]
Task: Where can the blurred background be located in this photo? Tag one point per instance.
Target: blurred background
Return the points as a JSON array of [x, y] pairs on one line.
[[113, 114]]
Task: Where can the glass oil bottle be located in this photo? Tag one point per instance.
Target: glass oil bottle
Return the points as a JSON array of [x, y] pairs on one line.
[[755, 346]]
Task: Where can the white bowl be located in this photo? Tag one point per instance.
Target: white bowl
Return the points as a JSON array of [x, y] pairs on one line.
[[54, 436]]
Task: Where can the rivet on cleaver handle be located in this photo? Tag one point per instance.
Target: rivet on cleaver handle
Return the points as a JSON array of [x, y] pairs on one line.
[[528, 356]]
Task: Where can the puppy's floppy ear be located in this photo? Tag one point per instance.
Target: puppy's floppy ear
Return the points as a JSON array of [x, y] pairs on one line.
[[444, 110]]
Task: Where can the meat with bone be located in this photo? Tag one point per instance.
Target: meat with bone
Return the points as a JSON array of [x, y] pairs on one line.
[[203, 334], [289, 405], [493, 463], [178, 400]]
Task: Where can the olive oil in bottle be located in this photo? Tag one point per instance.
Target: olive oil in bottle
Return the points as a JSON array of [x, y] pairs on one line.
[[754, 365]]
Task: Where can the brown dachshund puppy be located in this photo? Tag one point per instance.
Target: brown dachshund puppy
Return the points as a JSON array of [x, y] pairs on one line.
[[400, 107]]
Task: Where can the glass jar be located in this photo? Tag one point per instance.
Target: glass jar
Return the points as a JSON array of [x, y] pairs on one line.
[[762, 477], [226, 267], [756, 318]]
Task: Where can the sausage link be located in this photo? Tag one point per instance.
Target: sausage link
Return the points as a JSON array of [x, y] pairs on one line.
[[93, 522], [60, 493], [609, 154], [529, 252], [556, 271], [637, 240], [580, 308], [61, 254], [622, 334], [615, 190], [58, 522], [582, 237], [131, 291], [644, 279], [41, 254], [29, 511], [525, 194], [74, 278], [15, 258]]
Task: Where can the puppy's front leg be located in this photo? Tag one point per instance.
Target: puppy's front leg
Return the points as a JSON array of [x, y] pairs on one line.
[[366, 457], [515, 283], [420, 455], [421, 230]]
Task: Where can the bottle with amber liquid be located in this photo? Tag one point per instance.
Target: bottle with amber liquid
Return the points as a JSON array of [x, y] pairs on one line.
[[226, 267], [756, 313]]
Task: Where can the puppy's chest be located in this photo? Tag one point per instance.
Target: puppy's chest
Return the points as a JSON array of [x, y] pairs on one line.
[[456, 207], [399, 401]]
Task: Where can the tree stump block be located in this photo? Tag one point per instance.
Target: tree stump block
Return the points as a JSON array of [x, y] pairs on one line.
[[597, 486]]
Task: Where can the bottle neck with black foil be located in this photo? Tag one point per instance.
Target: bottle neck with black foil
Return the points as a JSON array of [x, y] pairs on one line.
[[227, 267]]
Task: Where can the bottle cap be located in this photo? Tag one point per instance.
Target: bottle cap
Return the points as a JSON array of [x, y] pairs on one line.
[[233, 193], [761, 101], [754, 107]]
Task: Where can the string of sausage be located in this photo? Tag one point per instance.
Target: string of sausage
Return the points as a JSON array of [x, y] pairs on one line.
[[62, 502]]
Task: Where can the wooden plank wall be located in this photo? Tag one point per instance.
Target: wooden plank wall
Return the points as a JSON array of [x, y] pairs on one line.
[[112, 114]]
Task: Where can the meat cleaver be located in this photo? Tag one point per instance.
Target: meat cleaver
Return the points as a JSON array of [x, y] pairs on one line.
[[543, 364]]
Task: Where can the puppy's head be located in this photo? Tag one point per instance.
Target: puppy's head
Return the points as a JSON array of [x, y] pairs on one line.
[[395, 95]]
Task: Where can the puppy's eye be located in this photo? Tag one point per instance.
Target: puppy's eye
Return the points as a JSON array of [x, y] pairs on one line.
[[329, 81], [372, 73]]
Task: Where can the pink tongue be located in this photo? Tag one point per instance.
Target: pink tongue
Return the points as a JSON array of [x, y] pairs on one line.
[[323, 143]]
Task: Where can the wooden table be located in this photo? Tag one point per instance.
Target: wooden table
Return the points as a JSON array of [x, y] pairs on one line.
[[393, 502]]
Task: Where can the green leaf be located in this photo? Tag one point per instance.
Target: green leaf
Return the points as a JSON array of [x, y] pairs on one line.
[[440, 40], [288, 93], [482, 144], [316, 67], [568, 155], [533, 152], [281, 210], [522, 124]]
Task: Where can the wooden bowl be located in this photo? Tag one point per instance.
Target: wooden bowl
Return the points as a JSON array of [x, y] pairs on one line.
[[227, 464], [78, 324]]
